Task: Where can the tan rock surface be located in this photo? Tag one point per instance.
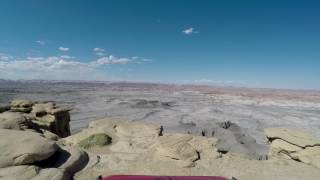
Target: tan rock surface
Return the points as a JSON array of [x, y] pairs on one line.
[[281, 145], [293, 136], [52, 174], [310, 155], [138, 149], [23, 147], [23, 172], [21, 103], [10, 120]]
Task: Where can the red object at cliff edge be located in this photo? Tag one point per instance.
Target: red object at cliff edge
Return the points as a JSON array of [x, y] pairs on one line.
[[134, 177]]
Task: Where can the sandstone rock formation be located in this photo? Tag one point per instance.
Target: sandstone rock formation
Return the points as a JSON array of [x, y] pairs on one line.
[[137, 148], [55, 119], [28, 143], [294, 144], [24, 114], [23, 147], [231, 138], [11, 120]]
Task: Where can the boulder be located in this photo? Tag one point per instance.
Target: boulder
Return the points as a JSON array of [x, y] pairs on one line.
[[72, 160], [67, 158], [10, 120], [49, 135], [23, 147]]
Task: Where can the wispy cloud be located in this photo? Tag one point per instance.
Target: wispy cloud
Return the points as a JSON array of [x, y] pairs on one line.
[[35, 58], [98, 51], [63, 48], [113, 60], [48, 68], [5, 57], [59, 67], [67, 57], [41, 42], [190, 31]]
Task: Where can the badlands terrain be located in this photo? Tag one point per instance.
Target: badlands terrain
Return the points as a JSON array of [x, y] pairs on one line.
[[176, 107], [157, 129]]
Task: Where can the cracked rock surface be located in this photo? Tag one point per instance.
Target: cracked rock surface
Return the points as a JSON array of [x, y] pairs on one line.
[[295, 144]]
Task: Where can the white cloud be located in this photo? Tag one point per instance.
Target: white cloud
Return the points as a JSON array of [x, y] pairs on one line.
[[48, 68], [64, 48], [99, 51], [67, 57], [5, 57], [113, 60], [190, 31], [146, 60], [41, 42], [35, 58], [62, 67]]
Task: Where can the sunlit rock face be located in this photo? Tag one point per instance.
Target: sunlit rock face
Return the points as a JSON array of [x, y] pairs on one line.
[[141, 148], [29, 142], [24, 113]]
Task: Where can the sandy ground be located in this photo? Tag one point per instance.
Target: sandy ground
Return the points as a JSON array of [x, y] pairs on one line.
[[176, 107]]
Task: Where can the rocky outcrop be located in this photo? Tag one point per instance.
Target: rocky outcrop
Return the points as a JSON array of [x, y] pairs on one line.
[[231, 138], [50, 117], [28, 143], [24, 114], [21, 105], [138, 148], [11, 120], [294, 144], [23, 147]]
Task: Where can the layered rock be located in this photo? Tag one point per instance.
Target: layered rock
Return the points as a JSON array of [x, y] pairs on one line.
[[21, 105], [28, 146], [25, 114]]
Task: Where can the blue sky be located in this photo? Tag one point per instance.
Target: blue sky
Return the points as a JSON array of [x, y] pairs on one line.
[[224, 42]]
